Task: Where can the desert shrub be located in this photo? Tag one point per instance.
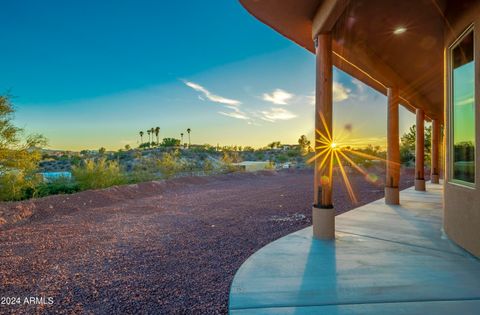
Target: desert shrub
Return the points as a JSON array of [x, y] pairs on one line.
[[228, 160], [99, 173], [270, 166], [282, 158], [61, 185], [406, 156], [15, 185], [259, 156], [140, 176], [19, 156], [293, 153], [166, 165], [189, 166], [208, 167], [145, 145], [209, 148], [170, 142], [169, 165], [145, 169], [75, 160]]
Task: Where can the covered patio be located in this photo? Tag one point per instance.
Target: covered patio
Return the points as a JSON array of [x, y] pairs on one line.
[[385, 259], [391, 256], [395, 48]]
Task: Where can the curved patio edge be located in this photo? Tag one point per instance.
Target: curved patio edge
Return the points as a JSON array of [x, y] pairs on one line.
[[385, 259]]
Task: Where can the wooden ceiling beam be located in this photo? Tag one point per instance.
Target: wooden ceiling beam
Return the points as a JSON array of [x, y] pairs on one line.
[[379, 76], [327, 15]]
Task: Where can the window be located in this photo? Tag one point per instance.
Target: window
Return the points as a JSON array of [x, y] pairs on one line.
[[463, 109]]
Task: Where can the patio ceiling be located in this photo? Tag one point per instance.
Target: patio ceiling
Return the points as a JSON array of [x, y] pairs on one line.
[[366, 46]]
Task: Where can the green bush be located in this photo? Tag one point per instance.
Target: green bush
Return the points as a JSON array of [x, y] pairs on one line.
[[208, 167], [293, 153], [259, 156], [98, 174], [144, 170], [61, 185], [15, 185], [169, 165], [140, 176], [228, 160], [190, 167], [406, 156], [170, 142], [19, 155], [282, 158]]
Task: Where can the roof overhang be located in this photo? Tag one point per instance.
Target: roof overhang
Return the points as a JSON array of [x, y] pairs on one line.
[[365, 45]]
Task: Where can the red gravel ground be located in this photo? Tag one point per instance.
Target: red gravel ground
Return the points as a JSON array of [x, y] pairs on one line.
[[153, 248]]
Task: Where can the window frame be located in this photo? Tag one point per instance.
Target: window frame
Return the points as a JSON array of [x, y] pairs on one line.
[[451, 149]]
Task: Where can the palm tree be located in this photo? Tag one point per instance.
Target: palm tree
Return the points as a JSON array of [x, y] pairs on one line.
[[157, 133], [181, 137], [188, 131], [141, 137], [149, 138], [152, 131]]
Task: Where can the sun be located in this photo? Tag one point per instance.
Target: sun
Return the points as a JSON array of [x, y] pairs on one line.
[[330, 152]]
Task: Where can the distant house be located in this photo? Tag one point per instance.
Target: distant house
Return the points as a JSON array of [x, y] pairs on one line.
[[287, 147], [253, 166]]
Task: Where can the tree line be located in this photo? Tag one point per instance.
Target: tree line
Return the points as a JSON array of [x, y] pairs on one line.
[[154, 134]]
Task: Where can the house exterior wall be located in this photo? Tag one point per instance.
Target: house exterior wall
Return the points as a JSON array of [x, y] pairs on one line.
[[462, 203]]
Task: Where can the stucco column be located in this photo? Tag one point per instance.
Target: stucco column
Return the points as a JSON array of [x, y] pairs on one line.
[[392, 194], [323, 213], [420, 151], [435, 171]]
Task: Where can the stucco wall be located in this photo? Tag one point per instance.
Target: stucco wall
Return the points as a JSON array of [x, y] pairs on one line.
[[462, 204]]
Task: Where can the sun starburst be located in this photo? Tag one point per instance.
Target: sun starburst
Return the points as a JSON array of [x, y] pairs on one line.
[[335, 153]]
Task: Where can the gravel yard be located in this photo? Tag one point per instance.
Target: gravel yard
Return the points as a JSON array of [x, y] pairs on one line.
[[157, 247]]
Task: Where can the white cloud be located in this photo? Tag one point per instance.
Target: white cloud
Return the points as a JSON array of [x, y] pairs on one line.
[[361, 92], [359, 84], [209, 95], [235, 113], [340, 93], [310, 99], [276, 113], [278, 97]]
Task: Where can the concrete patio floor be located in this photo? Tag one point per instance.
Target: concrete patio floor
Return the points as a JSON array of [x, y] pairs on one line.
[[385, 260]]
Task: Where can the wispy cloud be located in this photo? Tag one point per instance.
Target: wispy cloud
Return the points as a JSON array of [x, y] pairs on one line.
[[209, 95], [340, 92], [361, 92], [311, 99], [359, 84], [235, 112], [278, 97], [233, 108], [276, 113]]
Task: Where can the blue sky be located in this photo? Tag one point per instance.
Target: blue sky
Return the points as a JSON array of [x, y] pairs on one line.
[[94, 73]]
